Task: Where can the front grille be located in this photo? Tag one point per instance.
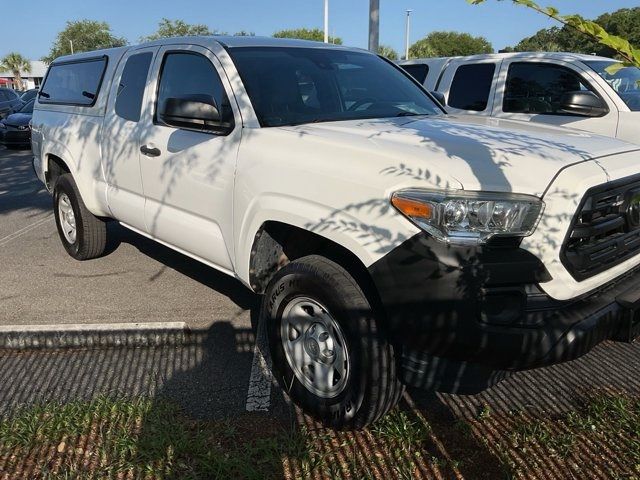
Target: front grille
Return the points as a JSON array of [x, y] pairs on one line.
[[601, 235]]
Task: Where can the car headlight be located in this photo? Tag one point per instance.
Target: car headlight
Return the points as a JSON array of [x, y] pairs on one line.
[[23, 127], [2, 125], [469, 218]]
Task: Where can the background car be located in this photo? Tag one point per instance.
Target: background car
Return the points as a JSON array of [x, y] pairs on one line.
[[29, 95], [9, 102], [15, 130]]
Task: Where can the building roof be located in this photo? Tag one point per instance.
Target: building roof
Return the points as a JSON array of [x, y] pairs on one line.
[[38, 70]]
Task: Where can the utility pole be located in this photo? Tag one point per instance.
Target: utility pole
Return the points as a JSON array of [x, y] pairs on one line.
[[374, 25], [326, 21], [406, 35], [71, 43]]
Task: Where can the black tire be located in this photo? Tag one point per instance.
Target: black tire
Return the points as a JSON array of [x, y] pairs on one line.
[[372, 387], [91, 232]]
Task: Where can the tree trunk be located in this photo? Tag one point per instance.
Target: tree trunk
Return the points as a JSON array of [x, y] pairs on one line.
[[17, 79]]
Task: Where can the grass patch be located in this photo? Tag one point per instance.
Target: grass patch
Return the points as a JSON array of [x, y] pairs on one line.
[[141, 438], [602, 435]]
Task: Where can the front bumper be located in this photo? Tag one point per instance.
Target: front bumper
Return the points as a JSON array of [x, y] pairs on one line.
[[475, 311], [13, 137]]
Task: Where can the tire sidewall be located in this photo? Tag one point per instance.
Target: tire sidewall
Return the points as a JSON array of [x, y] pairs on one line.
[[308, 282], [64, 185]]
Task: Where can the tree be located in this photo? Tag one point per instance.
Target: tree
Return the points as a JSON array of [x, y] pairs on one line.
[[624, 23], [618, 45], [86, 35], [179, 28], [15, 63], [314, 34], [449, 44], [244, 33], [388, 52]]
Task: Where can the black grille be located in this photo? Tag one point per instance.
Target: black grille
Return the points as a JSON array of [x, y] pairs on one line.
[[601, 234]]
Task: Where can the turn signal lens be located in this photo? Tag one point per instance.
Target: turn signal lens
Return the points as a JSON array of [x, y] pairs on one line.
[[412, 208]]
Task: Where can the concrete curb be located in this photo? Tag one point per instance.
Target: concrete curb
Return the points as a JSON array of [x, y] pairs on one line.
[[21, 337]]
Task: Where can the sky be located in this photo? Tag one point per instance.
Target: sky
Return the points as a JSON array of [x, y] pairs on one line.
[[31, 29]]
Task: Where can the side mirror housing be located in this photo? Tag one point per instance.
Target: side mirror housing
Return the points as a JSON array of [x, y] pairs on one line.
[[194, 113], [586, 104], [439, 96]]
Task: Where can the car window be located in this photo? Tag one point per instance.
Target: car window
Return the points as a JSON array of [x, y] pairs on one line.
[[73, 83], [293, 86], [538, 88], [471, 86], [28, 95], [131, 86], [417, 71], [625, 81], [191, 75]]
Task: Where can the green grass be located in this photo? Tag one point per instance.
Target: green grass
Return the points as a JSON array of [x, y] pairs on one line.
[[108, 437]]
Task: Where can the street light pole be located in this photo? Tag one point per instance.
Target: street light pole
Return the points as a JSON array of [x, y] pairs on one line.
[[374, 25], [326, 21], [71, 43], [406, 35]]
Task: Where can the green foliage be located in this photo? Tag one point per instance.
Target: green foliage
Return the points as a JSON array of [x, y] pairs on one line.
[[86, 35], [387, 52], [244, 33], [179, 28], [622, 22], [15, 63], [449, 44], [314, 34]]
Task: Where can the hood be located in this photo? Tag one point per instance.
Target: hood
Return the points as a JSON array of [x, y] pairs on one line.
[[17, 119], [522, 158]]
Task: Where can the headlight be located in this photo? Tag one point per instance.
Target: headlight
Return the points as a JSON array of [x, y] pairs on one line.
[[2, 125], [469, 218], [23, 127]]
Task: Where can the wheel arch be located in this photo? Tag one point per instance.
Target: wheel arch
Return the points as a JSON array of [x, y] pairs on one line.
[[276, 243]]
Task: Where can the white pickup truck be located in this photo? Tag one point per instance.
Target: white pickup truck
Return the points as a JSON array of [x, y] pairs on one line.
[[393, 244], [562, 89]]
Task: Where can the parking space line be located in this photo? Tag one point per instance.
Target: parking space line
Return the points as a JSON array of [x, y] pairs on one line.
[[259, 391], [5, 240]]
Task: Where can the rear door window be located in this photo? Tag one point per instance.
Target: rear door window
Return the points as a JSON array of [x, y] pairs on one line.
[[471, 87], [538, 88], [131, 86], [417, 71], [73, 83]]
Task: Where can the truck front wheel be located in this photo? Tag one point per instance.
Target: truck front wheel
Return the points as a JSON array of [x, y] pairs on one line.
[[328, 349], [83, 235]]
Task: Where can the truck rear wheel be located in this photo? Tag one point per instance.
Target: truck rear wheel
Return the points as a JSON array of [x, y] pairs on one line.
[[83, 235], [328, 349]]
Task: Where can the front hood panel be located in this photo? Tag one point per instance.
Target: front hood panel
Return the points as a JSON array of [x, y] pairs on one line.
[[522, 158], [18, 119]]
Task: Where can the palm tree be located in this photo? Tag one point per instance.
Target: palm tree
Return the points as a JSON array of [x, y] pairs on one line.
[[15, 63]]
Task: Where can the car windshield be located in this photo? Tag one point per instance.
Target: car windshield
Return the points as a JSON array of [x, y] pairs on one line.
[[293, 86], [28, 95], [28, 107], [625, 81]]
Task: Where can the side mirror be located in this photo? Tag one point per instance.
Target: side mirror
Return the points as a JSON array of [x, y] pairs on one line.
[[196, 112], [586, 104], [439, 96]]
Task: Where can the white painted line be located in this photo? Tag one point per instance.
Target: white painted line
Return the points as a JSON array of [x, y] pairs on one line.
[[92, 327], [259, 391], [24, 230]]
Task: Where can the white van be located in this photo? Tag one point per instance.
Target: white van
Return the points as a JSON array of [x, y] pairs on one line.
[[393, 244], [562, 89]]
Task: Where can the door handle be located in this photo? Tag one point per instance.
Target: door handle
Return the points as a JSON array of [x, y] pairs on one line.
[[150, 152]]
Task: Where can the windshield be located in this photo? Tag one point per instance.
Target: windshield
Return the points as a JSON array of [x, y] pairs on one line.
[[27, 108], [292, 86], [28, 95], [626, 82]]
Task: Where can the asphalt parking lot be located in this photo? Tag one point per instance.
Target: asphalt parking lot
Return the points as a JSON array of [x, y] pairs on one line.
[[221, 376]]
